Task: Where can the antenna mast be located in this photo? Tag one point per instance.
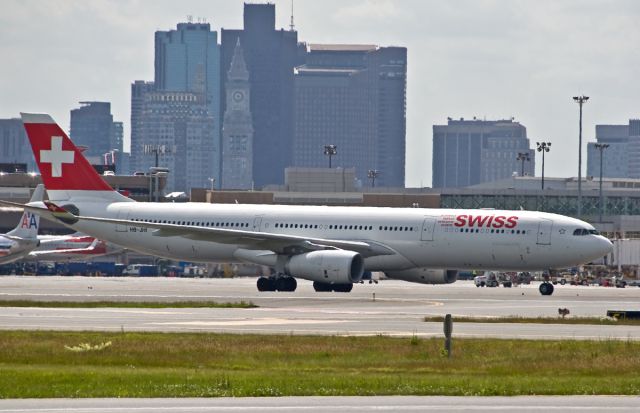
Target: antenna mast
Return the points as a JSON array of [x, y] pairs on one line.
[[292, 27]]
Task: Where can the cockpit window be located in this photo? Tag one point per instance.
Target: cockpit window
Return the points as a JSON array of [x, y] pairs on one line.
[[584, 231]]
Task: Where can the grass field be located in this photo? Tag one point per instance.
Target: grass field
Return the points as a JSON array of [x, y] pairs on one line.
[[44, 364], [125, 304]]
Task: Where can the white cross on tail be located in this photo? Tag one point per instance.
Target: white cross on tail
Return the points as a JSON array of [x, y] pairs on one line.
[[56, 156]]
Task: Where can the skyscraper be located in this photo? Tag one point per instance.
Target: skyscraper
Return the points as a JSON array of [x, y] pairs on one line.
[[179, 113], [92, 126], [237, 126], [469, 152], [178, 126], [352, 96], [270, 57], [188, 60], [139, 89], [14, 145], [621, 159]]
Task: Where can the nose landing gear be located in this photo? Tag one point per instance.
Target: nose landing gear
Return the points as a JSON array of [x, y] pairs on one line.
[[546, 288]]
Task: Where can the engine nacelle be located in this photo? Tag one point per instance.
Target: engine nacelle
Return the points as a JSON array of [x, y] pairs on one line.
[[425, 275], [328, 266]]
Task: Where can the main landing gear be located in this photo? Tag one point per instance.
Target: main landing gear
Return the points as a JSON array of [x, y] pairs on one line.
[[277, 283], [546, 288], [327, 287]]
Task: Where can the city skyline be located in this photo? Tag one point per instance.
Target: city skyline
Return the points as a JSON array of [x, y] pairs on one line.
[[490, 59]]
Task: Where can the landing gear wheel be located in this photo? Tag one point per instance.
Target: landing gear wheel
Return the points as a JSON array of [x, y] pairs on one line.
[[546, 288], [321, 287], [342, 288], [286, 284], [266, 284], [292, 284]]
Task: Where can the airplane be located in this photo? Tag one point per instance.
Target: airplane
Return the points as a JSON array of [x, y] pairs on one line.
[[329, 245], [24, 243], [23, 239]]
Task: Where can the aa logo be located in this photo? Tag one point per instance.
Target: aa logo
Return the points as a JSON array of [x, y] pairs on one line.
[[29, 221]]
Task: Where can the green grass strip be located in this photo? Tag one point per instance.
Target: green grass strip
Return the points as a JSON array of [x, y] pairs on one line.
[[125, 304], [37, 364], [608, 321]]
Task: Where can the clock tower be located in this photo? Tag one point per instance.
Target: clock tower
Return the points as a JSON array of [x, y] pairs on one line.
[[237, 127]]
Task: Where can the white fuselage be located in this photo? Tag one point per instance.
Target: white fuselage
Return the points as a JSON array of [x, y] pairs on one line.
[[434, 238]]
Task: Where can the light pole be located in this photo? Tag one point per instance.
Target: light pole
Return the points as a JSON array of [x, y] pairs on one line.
[[373, 174], [523, 156], [155, 173], [212, 181], [543, 147], [601, 147], [330, 150], [580, 100]]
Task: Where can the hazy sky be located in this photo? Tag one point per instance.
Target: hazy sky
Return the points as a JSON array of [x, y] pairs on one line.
[[491, 59]]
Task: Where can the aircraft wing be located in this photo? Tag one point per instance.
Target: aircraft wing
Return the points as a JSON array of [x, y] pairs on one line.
[[40, 210], [254, 240], [279, 243]]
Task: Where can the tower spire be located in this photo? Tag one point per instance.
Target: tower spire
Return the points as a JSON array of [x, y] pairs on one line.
[[238, 67]]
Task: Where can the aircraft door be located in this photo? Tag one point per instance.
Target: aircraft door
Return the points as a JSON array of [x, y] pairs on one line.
[[544, 232], [257, 223], [123, 213], [428, 227]]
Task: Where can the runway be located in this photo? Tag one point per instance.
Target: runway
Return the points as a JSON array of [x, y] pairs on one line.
[[328, 404], [391, 308]]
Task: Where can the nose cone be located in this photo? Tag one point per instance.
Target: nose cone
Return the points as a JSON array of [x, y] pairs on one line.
[[601, 246]]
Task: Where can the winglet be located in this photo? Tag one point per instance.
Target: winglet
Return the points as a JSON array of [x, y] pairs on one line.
[[61, 213]]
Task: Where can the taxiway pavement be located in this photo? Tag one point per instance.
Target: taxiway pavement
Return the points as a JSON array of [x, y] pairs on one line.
[[526, 404], [393, 308]]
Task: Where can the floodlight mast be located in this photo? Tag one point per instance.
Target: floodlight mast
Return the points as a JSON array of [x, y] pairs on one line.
[[580, 100], [543, 147]]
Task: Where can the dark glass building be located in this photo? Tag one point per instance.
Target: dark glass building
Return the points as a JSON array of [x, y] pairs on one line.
[[177, 116], [270, 57], [14, 145], [621, 159], [352, 96], [92, 126]]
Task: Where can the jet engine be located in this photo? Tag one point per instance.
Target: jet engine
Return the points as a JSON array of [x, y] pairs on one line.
[[328, 266], [425, 275]]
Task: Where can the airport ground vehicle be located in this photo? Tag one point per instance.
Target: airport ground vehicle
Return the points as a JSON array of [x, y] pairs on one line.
[[141, 270], [331, 246], [506, 279]]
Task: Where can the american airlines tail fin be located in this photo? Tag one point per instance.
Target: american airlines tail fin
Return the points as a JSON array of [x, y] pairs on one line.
[[66, 173], [30, 222]]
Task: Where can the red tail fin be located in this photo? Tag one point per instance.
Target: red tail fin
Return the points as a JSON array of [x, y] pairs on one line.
[[61, 164]]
